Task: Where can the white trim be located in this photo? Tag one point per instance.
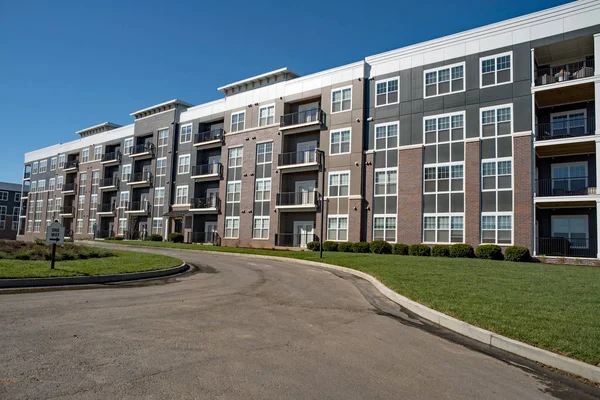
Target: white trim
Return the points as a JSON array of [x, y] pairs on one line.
[[341, 90], [520, 134], [261, 217], [395, 78], [305, 224], [337, 230], [410, 146], [500, 106], [349, 129], [187, 195], [563, 84], [191, 133], [385, 217], [472, 139], [329, 174], [189, 165], [495, 57], [386, 125], [577, 139], [238, 228], [437, 81], [231, 121], [497, 214], [267, 117]]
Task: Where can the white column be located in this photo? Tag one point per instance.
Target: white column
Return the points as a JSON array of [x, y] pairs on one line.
[[532, 67], [597, 102], [597, 52]]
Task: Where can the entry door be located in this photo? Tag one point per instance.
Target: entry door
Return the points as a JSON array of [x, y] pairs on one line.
[[305, 192], [306, 152], [212, 161], [179, 226], [211, 196], [307, 112], [210, 228], [303, 233]]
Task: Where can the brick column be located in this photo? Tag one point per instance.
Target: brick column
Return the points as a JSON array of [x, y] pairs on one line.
[[523, 192], [410, 195], [354, 220], [369, 190], [472, 193]]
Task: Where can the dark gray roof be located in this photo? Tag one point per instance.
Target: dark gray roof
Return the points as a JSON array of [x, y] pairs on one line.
[[15, 187]]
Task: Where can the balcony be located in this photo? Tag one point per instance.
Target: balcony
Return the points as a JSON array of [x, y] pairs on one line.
[[299, 161], [299, 240], [214, 138], [27, 176], [565, 247], [143, 150], [143, 178], [204, 238], [71, 165], [66, 211], [205, 205], [138, 207], [69, 188], [207, 172], [564, 72], [299, 119], [109, 183], [564, 128], [297, 201], [105, 209], [111, 158], [563, 187]]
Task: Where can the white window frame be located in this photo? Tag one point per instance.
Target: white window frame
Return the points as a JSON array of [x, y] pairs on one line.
[[233, 192], [53, 164], [437, 79], [339, 174], [238, 122], [61, 161], [496, 108], [17, 211], [266, 118], [43, 166], [567, 113], [337, 228], [580, 216], [163, 141], [436, 217], [17, 196], [385, 218], [33, 187], [85, 155], [123, 200], [387, 125], [161, 170], [387, 92], [59, 182], [495, 57], [122, 226], [185, 137], [339, 132], [34, 168], [341, 90], [569, 165], [157, 229], [185, 200], [184, 168], [98, 154], [127, 149], [261, 228], [450, 116], [125, 176], [266, 187], [3, 195], [159, 201], [52, 184], [240, 157], [41, 185], [497, 214], [232, 228], [15, 225], [387, 182]]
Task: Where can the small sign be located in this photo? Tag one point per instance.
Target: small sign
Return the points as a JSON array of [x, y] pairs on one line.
[[55, 234]]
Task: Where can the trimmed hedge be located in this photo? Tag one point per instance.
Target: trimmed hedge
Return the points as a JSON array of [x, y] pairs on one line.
[[175, 237], [155, 237], [314, 246], [489, 252], [330, 246], [361, 247], [440, 250], [400, 249], [517, 254], [421, 250], [380, 247], [345, 247], [462, 250]]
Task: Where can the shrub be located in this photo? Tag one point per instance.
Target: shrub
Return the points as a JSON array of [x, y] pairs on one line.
[[66, 255], [22, 256], [175, 237], [489, 252], [115, 238], [345, 247], [462, 250], [314, 246], [421, 250], [361, 247], [440, 250], [517, 253], [155, 237], [4, 255], [39, 242], [400, 249], [330, 246], [380, 247]]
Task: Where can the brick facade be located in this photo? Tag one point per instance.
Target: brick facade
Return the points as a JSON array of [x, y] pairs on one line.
[[410, 196], [472, 193], [523, 192]]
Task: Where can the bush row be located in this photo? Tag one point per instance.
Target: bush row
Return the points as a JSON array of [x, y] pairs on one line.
[[39, 251], [459, 250]]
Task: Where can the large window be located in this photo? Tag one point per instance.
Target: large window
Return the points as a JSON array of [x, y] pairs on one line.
[[235, 157], [52, 184], [33, 187], [496, 69], [181, 195], [264, 153], [41, 185], [185, 135], [183, 167], [263, 189], [569, 123], [161, 167], [339, 184], [337, 227], [157, 225], [234, 190], [386, 136], [340, 141], [496, 228], [232, 227], [572, 227], [43, 166], [59, 183], [341, 100], [238, 121], [261, 228], [444, 80], [384, 228], [443, 228], [386, 182], [387, 92], [122, 226], [266, 115], [570, 178], [163, 140]]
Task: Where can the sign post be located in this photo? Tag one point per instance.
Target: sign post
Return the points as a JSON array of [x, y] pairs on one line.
[[55, 234]]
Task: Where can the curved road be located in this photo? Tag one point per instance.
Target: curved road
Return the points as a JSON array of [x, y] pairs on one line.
[[246, 328]]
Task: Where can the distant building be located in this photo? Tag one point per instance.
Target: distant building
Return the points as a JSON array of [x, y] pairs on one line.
[[10, 207]]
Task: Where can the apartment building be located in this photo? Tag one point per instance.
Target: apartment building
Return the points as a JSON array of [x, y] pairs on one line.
[[10, 203], [485, 136]]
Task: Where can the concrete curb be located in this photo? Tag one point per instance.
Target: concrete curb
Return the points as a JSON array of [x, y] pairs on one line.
[[89, 280]]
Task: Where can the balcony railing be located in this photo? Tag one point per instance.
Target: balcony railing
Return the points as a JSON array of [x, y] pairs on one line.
[[204, 237], [112, 156], [111, 181], [298, 158], [566, 128], [313, 115], [294, 239], [105, 207], [297, 199], [104, 233], [144, 176], [564, 247], [69, 187], [67, 210], [138, 206], [143, 148], [71, 164], [207, 169], [209, 136], [565, 72], [205, 203], [575, 186]]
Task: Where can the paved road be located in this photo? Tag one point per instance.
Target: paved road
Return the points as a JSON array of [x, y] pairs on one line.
[[244, 328]]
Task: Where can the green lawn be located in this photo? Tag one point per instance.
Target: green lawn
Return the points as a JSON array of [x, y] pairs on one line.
[[554, 307], [126, 261]]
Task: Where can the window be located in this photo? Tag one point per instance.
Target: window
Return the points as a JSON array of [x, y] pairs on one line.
[[569, 123], [232, 227], [16, 211], [37, 226], [157, 225], [181, 195], [386, 182], [3, 211], [444, 128], [3, 196], [50, 205], [569, 178], [263, 189], [266, 115], [386, 136], [97, 153], [185, 135], [159, 197], [444, 80], [496, 175], [496, 228], [41, 185], [128, 146], [126, 173], [17, 196], [337, 227], [122, 226], [61, 161], [339, 184], [15, 225], [495, 70], [52, 184], [79, 226], [261, 228], [496, 121], [237, 122], [91, 223], [235, 157], [163, 140], [572, 227], [387, 92], [161, 167], [384, 228], [58, 204], [59, 183], [93, 203], [233, 192], [33, 187], [183, 166], [123, 199], [340, 142], [43, 166], [82, 182], [95, 181], [34, 168], [443, 228], [85, 155], [80, 204], [53, 164], [264, 153], [341, 100]]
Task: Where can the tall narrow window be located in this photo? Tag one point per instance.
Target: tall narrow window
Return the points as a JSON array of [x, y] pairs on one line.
[[85, 155], [186, 134], [163, 139], [266, 115], [238, 121], [340, 141], [341, 100]]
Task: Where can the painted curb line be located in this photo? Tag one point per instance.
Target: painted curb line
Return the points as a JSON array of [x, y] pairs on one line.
[[88, 280]]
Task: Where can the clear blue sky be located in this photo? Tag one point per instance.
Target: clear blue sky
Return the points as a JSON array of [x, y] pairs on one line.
[[67, 65]]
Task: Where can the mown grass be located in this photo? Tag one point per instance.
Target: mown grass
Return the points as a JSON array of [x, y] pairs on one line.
[[124, 261], [554, 307]]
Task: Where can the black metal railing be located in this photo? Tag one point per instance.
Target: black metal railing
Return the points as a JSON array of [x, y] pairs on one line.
[[147, 147], [294, 239], [565, 128], [112, 156], [67, 210], [141, 206], [564, 247], [298, 158], [209, 136], [297, 199], [27, 175], [207, 169], [303, 117], [69, 187], [107, 182], [106, 207], [564, 72], [144, 176], [71, 164], [204, 237], [205, 203], [575, 186], [104, 233]]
